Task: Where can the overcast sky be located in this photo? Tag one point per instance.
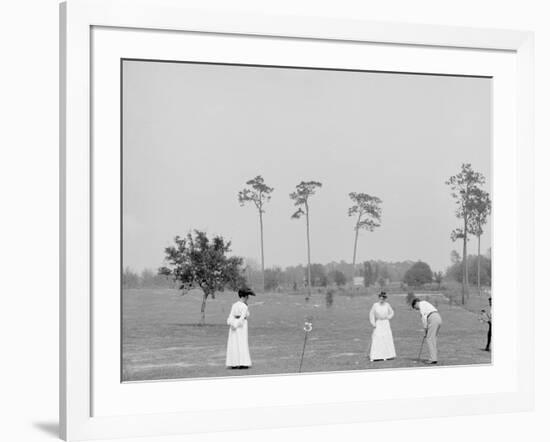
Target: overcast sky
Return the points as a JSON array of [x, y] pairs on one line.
[[194, 134]]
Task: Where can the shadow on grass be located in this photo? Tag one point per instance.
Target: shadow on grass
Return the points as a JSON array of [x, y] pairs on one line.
[[415, 360], [195, 324]]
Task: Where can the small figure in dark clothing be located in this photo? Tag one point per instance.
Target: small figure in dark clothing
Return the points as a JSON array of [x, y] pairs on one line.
[[487, 316]]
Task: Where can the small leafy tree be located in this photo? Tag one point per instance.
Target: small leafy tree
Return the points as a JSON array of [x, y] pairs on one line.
[[464, 187], [329, 298], [197, 261], [304, 191], [419, 274], [368, 212], [259, 194], [337, 277]]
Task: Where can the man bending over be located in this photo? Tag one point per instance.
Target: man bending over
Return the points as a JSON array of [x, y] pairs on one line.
[[431, 320]]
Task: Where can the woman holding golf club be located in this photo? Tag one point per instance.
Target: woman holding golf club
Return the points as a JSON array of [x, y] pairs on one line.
[[381, 313]]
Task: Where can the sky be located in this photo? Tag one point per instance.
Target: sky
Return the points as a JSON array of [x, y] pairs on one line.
[[193, 134]]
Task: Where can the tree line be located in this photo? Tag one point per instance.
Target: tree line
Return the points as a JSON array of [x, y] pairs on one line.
[[199, 261], [146, 279], [374, 272], [479, 266]]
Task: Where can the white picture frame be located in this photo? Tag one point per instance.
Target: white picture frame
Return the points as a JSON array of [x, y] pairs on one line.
[[89, 410]]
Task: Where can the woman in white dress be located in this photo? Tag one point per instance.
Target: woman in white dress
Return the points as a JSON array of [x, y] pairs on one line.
[[238, 354], [382, 347]]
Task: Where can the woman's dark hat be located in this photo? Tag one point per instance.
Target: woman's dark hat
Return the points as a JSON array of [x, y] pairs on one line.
[[245, 292], [382, 295]]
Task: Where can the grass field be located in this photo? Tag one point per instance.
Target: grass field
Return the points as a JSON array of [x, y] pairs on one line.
[[161, 338]]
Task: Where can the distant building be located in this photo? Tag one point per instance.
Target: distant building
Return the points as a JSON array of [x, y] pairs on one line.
[[358, 281]]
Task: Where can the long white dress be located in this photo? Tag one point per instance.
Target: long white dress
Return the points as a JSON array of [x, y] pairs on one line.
[[382, 339], [238, 354]]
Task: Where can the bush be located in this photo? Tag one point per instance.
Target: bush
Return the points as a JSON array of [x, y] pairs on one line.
[[420, 273], [329, 298], [337, 277]]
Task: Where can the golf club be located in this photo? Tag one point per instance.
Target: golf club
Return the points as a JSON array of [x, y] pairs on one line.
[[421, 347]]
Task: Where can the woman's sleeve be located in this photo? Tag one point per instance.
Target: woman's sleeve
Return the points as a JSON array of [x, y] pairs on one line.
[[390, 312], [241, 312], [231, 319], [372, 316]]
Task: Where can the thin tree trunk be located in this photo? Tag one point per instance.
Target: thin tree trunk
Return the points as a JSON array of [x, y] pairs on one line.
[[355, 243], [355, 248], [262, 248], [308, 256], [479, 264], [203, 309], [465, 262]]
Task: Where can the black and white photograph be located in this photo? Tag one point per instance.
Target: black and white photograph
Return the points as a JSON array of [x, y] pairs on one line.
[[275, 220], [286, 220]]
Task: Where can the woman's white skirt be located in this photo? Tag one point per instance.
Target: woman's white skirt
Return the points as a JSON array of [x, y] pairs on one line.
[[238, 353], [382, 341]]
